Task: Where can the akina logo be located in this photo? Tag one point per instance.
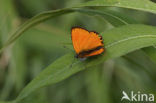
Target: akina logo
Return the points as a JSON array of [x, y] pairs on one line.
[[132, 96]]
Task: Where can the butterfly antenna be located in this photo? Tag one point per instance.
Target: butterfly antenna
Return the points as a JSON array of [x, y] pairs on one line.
[[66, 47]]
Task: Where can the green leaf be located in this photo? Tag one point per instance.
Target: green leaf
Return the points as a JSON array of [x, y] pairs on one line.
[[151, 52], [34, 21], [115, 18], [118, 41], [143, 5], [57, 71], [141, 59]]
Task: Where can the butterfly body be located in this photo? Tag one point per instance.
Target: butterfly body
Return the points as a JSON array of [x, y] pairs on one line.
[[86, 43]]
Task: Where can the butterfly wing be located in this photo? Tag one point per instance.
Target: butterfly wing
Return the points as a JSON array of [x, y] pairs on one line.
[[86, 43], [79, 36]]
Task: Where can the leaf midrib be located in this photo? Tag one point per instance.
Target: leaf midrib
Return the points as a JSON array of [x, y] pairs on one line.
[[129, 38]]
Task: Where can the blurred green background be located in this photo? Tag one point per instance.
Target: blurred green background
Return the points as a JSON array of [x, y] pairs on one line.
[[41, 45]]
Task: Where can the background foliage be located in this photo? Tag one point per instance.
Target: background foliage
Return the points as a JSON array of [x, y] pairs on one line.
[[37, 54]]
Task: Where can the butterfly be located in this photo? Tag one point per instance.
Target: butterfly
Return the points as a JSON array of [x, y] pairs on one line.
[[86, 43]]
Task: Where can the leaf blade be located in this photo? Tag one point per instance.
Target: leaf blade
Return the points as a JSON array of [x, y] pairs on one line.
[[34, 21], [143, 5], [61, 68]]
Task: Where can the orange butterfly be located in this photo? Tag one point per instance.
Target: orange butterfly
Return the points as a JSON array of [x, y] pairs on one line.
[[86, 43]]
